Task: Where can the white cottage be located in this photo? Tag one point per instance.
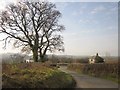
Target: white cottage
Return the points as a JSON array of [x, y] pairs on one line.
[[96, 59]]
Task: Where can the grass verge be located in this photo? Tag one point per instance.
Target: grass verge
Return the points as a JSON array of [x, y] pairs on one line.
[[34, 75]]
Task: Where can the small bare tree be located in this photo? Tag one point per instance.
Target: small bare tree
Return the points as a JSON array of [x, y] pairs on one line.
[[33, 26]]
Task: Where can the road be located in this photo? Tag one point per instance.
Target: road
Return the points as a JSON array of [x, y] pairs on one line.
[[85, 81]]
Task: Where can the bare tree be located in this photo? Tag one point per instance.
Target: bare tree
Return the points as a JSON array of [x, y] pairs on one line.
[[33, 26]]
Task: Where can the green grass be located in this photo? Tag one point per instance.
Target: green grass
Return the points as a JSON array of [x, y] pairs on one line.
[[34, 75]]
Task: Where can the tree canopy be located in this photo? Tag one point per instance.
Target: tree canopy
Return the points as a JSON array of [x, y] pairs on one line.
[[33, 26]]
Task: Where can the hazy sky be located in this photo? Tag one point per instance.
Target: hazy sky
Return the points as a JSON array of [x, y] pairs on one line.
[[91, 27]]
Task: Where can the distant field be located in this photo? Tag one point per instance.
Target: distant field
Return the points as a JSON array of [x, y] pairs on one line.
[[85, 59], [111, 59], [34, 75]]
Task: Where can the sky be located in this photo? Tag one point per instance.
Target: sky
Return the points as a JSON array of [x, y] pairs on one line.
[[91, 27]]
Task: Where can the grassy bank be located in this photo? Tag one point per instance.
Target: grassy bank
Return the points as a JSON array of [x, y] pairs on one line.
[[34, 75], [107, 71]]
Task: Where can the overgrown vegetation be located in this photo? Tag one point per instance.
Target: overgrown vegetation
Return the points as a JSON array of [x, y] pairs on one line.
[[34, 75], [108, 71]]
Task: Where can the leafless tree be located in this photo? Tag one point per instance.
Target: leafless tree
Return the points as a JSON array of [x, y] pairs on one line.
[[33, 26]]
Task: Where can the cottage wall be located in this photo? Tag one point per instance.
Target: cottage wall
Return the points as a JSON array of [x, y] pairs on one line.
[[91, 61]]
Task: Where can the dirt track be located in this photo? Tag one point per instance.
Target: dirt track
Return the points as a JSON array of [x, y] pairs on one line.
[[85, 81]]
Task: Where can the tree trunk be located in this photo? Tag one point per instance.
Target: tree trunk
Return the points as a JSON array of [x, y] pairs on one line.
[[35, 55], [43, 55], [35, 48], [42, 58]]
